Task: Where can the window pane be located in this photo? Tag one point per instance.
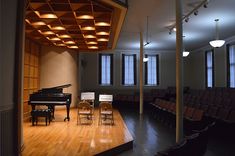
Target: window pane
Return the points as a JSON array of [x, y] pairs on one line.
[[232, 77], [152, 70], [129, 70], [209, 67], [232, 66], [105, 69], [209, 77]]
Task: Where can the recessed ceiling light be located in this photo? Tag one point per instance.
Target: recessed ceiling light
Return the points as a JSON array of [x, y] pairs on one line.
[[53, 38], [91, 42], [102, 39], [85, 17], [46, 32], [35, 23], [64, 36], [102, 24], [49, 15], [56, 27], [59, 44], [73, 47], [92, 47], [69, 42], [88, 28], [89, 36], [102, 33]]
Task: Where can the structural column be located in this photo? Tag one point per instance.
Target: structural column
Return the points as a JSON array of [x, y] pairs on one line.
[[179, 73], [11, 42], [141, 72]]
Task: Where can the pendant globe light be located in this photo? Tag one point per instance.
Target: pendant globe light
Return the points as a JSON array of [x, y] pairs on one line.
[[217, 42]]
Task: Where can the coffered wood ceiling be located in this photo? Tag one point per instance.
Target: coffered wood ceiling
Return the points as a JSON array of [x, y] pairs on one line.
[[86, 25]]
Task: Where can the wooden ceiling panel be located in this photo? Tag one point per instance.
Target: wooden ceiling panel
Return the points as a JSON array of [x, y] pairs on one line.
[[84, 23], [60, 7], [40, 6]]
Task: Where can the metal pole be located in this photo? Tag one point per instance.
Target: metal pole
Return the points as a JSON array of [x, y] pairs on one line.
[[179, 72], [141, 73]]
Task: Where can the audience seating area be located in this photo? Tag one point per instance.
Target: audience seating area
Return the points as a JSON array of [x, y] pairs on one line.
[[201, 107], [194, 145]]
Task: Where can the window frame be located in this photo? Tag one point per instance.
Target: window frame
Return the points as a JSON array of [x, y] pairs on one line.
[[146, 70], [206, 69], [228, 64], [123, 69], [100, 69]]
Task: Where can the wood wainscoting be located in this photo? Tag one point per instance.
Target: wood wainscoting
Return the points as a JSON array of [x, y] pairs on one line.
[[69, 139], [31, 73]]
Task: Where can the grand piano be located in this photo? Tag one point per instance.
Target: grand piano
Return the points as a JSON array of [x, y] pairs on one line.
[[52, 97]]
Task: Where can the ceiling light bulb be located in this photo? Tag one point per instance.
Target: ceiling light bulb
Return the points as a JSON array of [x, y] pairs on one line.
[[73, 47], [69, 42], [56, 27], [102, 33], [88, 28], [92, 47], [89, 36], [145, 59], [91, 42], [64, 36], [102, 24], [185, 53], [85, 17], [174, 29], [102, 39], [217, 43], [46, 32]]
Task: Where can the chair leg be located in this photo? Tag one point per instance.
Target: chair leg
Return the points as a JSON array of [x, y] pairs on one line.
[[33, 118]]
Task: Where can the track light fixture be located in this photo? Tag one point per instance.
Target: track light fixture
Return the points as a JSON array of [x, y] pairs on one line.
[[205, 5], [195, 13], [185, 18]]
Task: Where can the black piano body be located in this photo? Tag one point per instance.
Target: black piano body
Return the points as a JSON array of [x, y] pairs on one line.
[[52, 97]]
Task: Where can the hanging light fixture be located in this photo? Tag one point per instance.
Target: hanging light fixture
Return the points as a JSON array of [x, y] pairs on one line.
[[185, 53], [147, 33], [217, 43]]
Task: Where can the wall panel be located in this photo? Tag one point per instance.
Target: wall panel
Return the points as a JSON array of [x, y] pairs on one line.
[[31, 73]]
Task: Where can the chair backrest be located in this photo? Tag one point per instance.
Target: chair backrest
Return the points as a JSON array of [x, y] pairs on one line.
[[106, 106], [223, 113], [189, 112], [84, 105], [197, 115], [231, 117]]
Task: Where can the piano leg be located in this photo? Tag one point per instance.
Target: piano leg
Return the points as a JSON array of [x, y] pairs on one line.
[[68, 109]]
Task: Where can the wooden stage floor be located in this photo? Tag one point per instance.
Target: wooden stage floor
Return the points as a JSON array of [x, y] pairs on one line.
[[69, 139]]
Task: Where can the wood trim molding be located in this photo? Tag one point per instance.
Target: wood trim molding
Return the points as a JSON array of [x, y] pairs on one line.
[[120, 12]]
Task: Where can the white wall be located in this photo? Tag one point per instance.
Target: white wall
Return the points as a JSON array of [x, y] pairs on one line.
[[58, 66]]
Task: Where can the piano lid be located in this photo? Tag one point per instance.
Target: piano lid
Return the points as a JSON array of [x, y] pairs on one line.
[[57, 89]]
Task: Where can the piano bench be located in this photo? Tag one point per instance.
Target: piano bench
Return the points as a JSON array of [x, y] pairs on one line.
[[41, 113]]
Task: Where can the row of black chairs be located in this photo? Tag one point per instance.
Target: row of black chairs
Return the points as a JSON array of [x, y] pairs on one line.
[[193, 145], [165, 111]]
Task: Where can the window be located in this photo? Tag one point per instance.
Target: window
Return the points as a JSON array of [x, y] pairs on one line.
[[231, 65], [105, 69], [129, 69], [210, 68], [151, 70]]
